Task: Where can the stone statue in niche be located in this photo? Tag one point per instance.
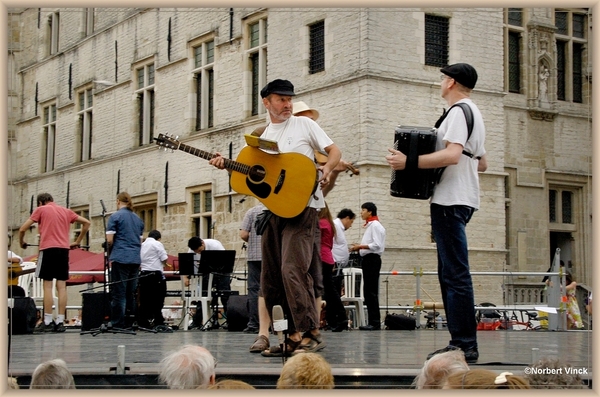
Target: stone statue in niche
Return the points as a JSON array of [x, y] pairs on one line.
[[543, 85]]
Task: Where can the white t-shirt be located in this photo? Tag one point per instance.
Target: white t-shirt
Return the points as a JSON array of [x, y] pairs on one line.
[[153, 255], [13, 255], [300, 135], [340, 244], [459, 184]]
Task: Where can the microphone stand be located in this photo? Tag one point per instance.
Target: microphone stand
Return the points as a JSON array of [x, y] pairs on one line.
[[213, 321], [105, 326], [134, 326]]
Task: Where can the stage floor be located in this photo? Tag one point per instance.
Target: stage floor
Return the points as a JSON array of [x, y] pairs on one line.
[[390, 356]]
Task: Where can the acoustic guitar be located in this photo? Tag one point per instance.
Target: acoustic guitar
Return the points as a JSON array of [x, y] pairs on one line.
[[283, 182], [320, 158], [15, 271]]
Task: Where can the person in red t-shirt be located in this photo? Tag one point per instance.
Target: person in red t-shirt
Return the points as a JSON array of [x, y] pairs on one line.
[[54, 224]]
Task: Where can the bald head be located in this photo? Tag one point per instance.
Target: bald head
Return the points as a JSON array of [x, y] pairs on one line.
[[190, 367]]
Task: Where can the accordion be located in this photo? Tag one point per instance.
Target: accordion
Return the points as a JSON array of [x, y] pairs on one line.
[[413, 182]]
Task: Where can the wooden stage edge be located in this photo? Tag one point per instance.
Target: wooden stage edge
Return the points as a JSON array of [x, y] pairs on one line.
[[368, 359]]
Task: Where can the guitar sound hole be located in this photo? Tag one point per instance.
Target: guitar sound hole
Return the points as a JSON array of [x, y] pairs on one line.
[[257, 174]]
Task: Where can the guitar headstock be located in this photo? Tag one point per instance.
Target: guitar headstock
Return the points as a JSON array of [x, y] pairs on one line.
[[352, 169], [167, 142]]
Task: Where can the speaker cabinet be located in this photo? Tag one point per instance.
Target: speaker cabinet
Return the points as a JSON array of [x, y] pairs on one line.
[[92, 315], [22, 316], [237, 312]]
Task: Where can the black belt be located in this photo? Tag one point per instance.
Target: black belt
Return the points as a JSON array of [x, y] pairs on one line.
[[151, 272]]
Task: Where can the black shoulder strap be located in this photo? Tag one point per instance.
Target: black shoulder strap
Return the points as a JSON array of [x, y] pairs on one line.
[[468, 116], [469, 119]]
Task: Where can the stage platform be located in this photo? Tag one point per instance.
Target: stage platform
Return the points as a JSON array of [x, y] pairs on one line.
[[360, 359]]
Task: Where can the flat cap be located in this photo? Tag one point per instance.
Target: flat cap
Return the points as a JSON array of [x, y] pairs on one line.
[[278, 86], [463, 73]]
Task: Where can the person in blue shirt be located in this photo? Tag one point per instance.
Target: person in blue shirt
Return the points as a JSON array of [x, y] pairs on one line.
[[124, 237]]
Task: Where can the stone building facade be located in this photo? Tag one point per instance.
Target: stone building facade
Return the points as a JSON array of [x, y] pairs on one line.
[[90, 87]]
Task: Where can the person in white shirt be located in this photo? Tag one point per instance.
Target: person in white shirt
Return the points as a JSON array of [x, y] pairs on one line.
[[345, 219], [172, 315], [196, 245], [152, 284], [14, 271], [370, 249], [461, 156]]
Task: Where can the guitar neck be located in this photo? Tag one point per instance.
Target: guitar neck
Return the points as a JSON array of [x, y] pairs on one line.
[[231, 165], [322, 159]]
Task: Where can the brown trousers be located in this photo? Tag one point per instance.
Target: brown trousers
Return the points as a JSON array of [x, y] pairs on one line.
[[288, 251]]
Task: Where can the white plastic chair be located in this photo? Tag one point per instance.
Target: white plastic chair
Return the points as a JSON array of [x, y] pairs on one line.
[[37, 294], [350, 280], [26, 279], [195, 289]]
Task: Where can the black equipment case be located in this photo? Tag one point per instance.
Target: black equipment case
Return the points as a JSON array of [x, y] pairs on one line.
[[400, 322], [237, 313], [413, 182], [22, 316]]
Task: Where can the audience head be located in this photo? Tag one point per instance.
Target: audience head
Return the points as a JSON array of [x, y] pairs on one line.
[[306, 371], [190, 367], [12, 383], [550, 373], [484, 379], [230, 384], [52, 374], [438, 368]]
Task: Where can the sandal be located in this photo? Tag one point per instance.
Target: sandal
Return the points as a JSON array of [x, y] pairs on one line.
[[260, 344], [315, 344], [275, 351]]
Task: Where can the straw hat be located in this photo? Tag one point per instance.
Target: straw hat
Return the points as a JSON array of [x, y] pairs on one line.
[[303, 107]]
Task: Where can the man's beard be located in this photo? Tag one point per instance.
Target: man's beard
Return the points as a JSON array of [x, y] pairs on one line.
[[279, 118]]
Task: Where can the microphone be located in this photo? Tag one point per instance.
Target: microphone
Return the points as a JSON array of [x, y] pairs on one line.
[[279, 324], [102, 204]]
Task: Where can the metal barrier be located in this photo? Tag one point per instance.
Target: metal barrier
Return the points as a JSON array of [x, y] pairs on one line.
[[556, 296]]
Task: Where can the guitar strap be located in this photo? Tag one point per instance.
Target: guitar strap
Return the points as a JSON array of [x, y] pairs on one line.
[[259, 131]]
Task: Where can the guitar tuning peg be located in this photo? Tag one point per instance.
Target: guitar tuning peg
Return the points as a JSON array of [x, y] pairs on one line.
[[177, 137]]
